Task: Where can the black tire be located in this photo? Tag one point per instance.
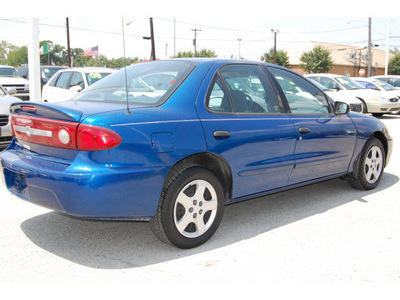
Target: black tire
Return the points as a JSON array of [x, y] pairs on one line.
[[377, 115], [190, 209], [369, 168]]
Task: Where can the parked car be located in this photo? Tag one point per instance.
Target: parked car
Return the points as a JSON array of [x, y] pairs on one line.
[[384, 88], [393, 80], [68, 82], [10, 79], [355, 104], [46, 72], [224, 131], [6, 99], [373, 101]]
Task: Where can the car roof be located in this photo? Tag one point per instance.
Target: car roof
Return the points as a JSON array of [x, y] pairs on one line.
[[88, 69], [324, 75]]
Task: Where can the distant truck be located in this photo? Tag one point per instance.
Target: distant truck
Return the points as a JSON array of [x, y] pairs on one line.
[[46, 72], [11, 79]]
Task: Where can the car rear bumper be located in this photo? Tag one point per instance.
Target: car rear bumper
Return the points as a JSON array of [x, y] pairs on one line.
[[104, 193]]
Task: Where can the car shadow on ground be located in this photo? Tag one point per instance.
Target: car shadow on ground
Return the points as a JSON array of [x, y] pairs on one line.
[[121, 245]]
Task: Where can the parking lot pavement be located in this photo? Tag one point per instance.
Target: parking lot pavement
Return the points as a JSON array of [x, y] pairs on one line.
[[322, 235]]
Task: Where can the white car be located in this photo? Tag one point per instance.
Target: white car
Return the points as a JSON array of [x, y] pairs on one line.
[[393, 80], [6, 99], [373, 101], [68, 82], [355, 104], [378, 85], [10, 79]]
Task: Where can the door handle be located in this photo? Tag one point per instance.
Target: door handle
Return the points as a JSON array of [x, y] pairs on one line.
[[304, 130], [221, 134]]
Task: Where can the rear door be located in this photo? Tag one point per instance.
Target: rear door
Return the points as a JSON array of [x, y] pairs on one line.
[[245, 123], [325, 141]]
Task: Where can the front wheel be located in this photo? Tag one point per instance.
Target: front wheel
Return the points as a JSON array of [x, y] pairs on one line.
[[190, 209], [368, 171]]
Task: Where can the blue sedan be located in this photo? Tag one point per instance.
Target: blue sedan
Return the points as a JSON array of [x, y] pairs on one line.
[[172, 142]]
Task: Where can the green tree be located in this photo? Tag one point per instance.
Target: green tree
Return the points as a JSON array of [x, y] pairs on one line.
[[201, 53], [18, 56], [5, 49], [318, 60], [282, 59], [394, 65]]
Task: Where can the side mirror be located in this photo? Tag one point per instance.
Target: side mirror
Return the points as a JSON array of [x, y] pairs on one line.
[[341, 108], [75, 88], [11, 90]]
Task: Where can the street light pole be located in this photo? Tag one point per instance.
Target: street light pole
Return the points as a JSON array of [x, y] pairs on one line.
[[369, 49], [239, 40], [274, 31], [195, 40]]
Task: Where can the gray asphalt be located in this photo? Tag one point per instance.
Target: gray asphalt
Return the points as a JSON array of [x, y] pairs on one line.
[[325, 236]]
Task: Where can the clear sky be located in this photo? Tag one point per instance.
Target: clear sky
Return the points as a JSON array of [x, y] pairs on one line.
[[226, 27]]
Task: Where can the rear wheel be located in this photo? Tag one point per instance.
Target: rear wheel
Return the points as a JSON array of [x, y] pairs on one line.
[[369, 169], [190, 209]]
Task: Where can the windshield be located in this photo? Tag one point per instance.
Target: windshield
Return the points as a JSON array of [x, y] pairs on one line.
[[384, 85], [93, 77], [349, 84], [9, 72], [148, 83], [48, 72], [318, 85]]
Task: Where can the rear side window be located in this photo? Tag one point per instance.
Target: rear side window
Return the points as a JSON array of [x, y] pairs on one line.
[[148, 83], [302, 96], [242, 89], [53, 81]]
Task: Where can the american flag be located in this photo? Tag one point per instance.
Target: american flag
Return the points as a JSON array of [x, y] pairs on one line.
[[93, 51]]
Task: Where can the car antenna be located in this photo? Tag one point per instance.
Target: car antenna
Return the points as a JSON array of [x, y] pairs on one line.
[[128, 112]]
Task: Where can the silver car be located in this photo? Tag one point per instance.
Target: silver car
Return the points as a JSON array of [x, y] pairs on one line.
[[5, 101]]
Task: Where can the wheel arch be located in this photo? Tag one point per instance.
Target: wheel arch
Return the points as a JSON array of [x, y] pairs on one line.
[[381, 137], [365, 107], [216, 164]]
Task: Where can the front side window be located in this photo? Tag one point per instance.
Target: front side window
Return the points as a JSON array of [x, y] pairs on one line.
[[243, 88], [302, 96], [62, 81], [76, 80]]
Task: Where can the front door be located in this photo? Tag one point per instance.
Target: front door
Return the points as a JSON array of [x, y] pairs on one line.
[[325, 141]]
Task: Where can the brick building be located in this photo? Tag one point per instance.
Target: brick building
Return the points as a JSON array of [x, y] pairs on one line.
[[348, 60]]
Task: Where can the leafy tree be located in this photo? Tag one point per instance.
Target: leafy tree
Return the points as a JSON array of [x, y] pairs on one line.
[[5, 49], [18, 57], [282, 59], [201, 53], [318, 60], [394, 65], [182, 54]]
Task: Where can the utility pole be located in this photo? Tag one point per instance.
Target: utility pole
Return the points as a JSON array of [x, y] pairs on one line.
[[369, 49], [274, 31], [69, 48], [239, 40], [195, 40], [153, 50]]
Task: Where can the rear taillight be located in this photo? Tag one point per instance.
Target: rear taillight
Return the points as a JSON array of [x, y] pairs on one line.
[[62, 134], [93, 138]]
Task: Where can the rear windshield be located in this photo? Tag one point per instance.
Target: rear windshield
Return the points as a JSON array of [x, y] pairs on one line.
[[148, 83]]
